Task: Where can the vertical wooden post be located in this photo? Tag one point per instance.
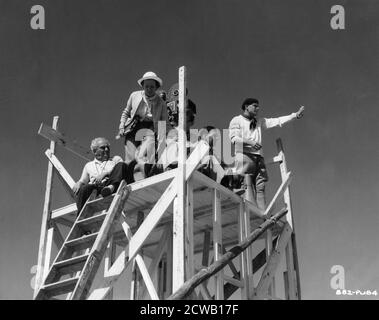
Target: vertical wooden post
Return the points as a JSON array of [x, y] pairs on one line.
[[189, 249], [249, 195], [108, 261], [135, 285], [44, 249], [169, 264], [293, 275], [217, 243], [243, 260], [180, 201]]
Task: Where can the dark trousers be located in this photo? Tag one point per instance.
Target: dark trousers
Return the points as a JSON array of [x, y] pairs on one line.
[[119, 173]]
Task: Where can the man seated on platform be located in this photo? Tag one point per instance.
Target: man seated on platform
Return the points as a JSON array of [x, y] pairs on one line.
[[103, 174]]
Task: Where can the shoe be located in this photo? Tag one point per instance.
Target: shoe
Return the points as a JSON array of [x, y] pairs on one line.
[[107, 191]]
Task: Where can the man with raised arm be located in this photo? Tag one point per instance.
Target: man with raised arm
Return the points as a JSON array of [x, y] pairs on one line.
[[245, 131]]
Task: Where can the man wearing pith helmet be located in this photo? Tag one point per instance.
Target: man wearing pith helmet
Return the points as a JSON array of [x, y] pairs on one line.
[[245, 131]]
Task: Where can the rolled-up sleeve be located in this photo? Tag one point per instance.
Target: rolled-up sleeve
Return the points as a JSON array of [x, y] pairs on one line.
[[277, 122]]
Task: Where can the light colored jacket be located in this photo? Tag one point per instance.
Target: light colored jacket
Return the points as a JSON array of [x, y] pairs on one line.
[[135, 102]]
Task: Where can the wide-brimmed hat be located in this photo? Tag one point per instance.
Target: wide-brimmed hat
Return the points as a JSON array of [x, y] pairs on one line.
[[150, 76]]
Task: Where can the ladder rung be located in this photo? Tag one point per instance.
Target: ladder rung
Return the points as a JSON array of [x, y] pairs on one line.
[[71, 265], [60, 287], [82, 242], [92, 222], [97, 205]]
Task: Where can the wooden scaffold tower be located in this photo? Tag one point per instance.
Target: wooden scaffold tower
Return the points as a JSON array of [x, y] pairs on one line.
[[175, 235]]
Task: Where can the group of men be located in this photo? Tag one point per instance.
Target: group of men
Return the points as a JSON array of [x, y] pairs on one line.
[[149, 151]]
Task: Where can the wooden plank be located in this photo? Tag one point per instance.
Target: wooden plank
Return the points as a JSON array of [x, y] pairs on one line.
[[55, 136], [243, 261], [249, 196], [292, 266], [178, 275], [279, 192], [189, 237], [273, 262], [61, 287], [67, 180], [169, 264], [45, 219], [154, 180], [217, 243], [291, 276], [146, 278], [109, 255], [64, 211], [48, 250], [204, 274]]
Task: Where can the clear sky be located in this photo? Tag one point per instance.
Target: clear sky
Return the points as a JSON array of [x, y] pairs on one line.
[[86, 62]]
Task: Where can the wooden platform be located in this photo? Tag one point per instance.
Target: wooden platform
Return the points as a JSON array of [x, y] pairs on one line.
[[145, 193]]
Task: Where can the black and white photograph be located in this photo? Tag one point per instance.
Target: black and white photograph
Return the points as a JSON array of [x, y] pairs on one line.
[[189, 150]]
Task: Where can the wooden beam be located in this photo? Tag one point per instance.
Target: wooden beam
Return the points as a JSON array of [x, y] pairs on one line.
[[217, 243], [292, 261], [169, 258], [278, 194], [48, 252], [273, 262], [243, 261], [204, 274], [55, 136], [67, 180], [64, 211], [146, 278], [45, 218], [249, 196], [178, 275], [189, 236]]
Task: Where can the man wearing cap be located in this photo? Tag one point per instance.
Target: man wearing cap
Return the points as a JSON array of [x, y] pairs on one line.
[[103, 174], [143, 111], [245, 131]]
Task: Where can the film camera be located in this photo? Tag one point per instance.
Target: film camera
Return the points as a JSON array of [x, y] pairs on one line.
[[172, 102]]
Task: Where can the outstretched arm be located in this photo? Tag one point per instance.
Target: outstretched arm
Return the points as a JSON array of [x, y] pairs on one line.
[[269, 123]]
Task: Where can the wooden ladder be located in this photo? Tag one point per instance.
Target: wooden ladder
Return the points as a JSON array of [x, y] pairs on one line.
[[79, 258]]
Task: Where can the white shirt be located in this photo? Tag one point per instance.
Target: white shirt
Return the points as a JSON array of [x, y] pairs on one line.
[[96, 167], [240, 127]]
